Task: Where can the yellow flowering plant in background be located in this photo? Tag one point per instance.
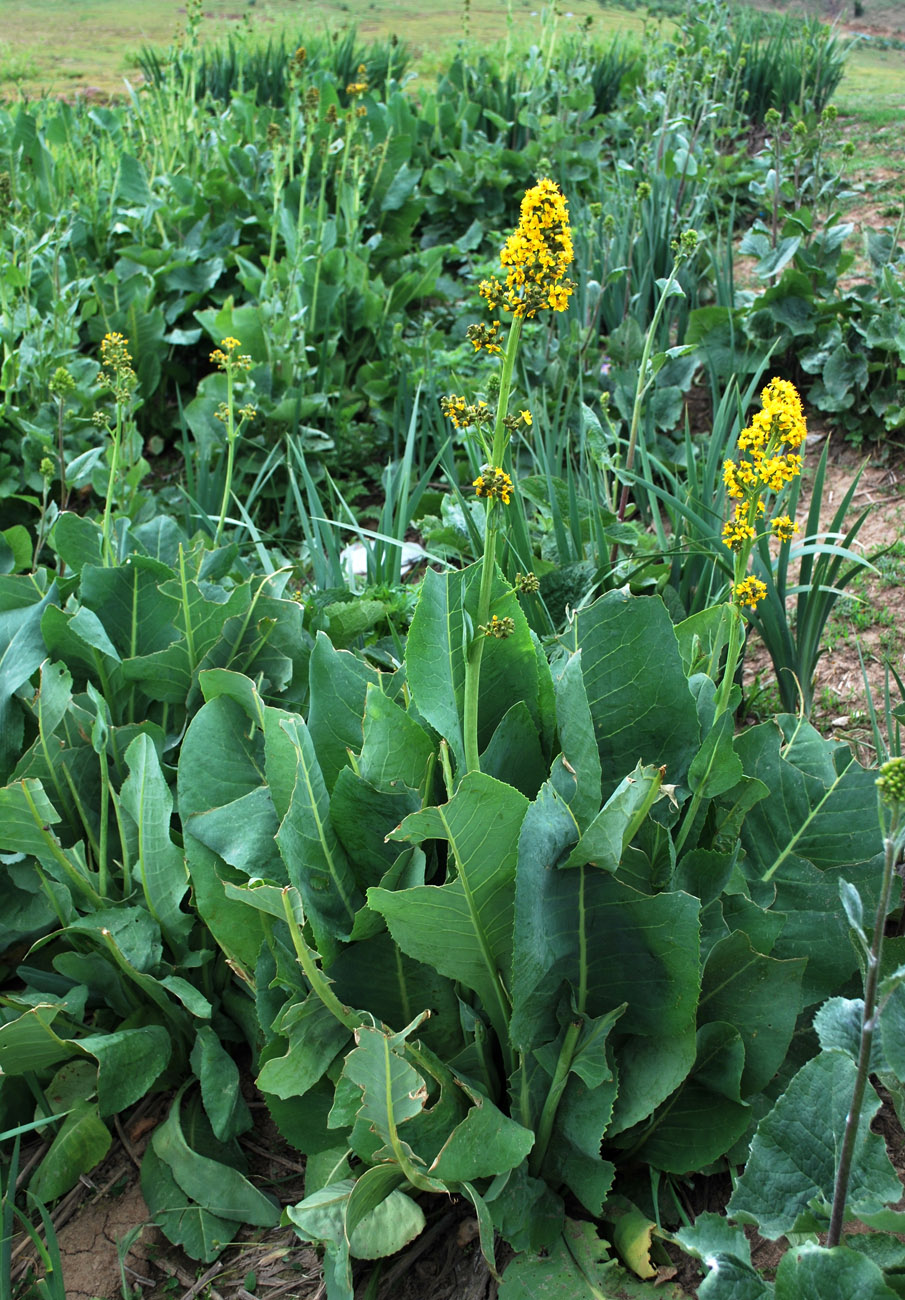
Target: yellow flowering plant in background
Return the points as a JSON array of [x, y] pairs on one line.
[[769, 460], [536, 258]]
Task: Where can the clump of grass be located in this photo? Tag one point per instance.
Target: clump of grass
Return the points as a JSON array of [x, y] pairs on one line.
[[16, 65]]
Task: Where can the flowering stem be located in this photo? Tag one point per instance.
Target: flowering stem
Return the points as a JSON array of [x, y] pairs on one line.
[[230, 453], [641, 389], [116, 438], [476, 648], [868, 1025]]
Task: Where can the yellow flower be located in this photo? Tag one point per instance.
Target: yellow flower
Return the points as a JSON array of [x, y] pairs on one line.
[[750, 591], [526, 416], [493, 483]]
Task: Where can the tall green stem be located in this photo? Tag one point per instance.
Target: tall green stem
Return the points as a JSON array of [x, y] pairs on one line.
[[641, 390], [111, 481], [476, 648], [230, 453], [892, 844]]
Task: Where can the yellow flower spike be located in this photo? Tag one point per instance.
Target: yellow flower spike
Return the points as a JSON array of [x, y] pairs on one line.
[[537, 255], [749, 592]]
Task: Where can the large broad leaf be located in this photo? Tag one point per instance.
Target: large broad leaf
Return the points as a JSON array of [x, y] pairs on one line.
[[576, 736], [81, 1143], [473, 912], [338, 684], [391, 1092], [168, 674], [787, 1184], [812, 1272], [577, 1267], [396, 749], [614, 946], [21, 652], [704, 1117], [822, 804], [218, 1075], [314, 1038], [216, 1187], [760, 997], [137, 616], [637, 690], [201, 1234], [363, 817], [818, 824], [484, 1144], [225, 806], [438, 643], [315, 860], [146, 797]]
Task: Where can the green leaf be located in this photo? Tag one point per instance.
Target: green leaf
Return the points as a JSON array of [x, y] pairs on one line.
[[81, 1143], [214, 1186], [637, 691], [392, 1091], [22, 650], [622, 947], [129, 1061], [838, 1026], [578, 1267], [760, 997], [514, 753], [611, 831], [436, 650], [716, 768], [818, 824], [315, 860], [315, 1038], [484, 1144], [218, 1075], [389, 1226], [15, 549], [29, 1042], [146, 797], [77, 540], [396, 749], [201, 1234], [338, 684], [787, 1185], [362, 817], [812, 1272], [473, 912], [576, 736]]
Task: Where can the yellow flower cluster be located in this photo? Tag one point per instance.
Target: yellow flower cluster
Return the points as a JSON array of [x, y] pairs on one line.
[[228, 357], [463, 415], [537, 255], [750, 591], [359, 87], [116, 371], [485, 336], [498, 627], [493, 483], [784, 528], [770, 460], [770, 443]]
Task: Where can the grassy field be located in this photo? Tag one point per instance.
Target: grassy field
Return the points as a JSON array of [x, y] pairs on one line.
[[99, 39]]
